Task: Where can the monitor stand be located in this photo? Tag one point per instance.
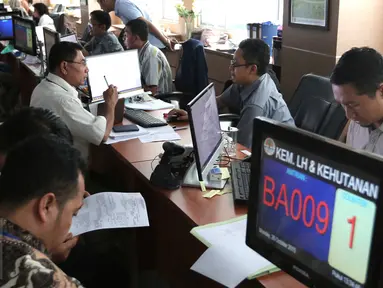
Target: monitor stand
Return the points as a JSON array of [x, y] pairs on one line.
[[191, 178]]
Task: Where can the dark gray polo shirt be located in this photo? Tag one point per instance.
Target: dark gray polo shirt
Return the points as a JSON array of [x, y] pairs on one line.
[[259, 99]]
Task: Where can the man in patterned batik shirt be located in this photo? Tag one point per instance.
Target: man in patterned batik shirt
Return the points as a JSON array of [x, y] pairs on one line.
[[41, 189], [102, 41]]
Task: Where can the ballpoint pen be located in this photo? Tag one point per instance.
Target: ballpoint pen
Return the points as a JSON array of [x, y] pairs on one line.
[[180, 128], [106, 81]]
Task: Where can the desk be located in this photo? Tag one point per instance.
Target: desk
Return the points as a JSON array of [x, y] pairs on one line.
[[168, 245]]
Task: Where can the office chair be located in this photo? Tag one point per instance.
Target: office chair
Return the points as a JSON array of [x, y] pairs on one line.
[[314, 108], [191, 76]]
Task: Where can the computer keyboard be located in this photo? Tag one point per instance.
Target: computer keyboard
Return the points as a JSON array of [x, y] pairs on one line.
[[143, 118], [240, 178]]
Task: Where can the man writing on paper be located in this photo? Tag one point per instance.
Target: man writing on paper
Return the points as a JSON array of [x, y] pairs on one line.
[[36, 210], [253, 93], [68, 69], [129, 10], [357, 82], [155, 69]]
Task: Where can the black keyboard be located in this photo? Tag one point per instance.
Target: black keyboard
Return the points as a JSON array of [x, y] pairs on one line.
[[240, 179], [143, 118]]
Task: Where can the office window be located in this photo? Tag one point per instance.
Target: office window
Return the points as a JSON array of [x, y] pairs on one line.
[[162, 9], [234, 15]]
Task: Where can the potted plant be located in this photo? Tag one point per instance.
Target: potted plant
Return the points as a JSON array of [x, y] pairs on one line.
[[189, 16]]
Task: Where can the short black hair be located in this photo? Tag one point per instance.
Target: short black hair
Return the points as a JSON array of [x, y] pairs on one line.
[[102, 18], [37, 166], [140, 28], [62, 51], [41, 8], [256, 51], [360, 67], [28, 122]]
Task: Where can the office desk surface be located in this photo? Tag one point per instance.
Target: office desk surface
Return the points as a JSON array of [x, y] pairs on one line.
[[172, 214]]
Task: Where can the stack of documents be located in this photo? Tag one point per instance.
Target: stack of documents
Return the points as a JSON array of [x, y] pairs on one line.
[[153, 104], [110, 210], [229, 260], [124, 136], [163, 133]]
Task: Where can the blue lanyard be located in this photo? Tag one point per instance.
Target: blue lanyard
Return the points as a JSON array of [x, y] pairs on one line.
[[10, 236]]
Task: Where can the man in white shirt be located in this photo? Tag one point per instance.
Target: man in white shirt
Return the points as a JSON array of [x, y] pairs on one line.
[[357, 82], [67, 67], [129, 10]]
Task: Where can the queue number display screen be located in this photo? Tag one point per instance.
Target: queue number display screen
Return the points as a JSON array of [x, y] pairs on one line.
[[317, 212]]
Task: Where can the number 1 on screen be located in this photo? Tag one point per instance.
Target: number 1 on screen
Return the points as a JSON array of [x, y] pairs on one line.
[[352, 221]]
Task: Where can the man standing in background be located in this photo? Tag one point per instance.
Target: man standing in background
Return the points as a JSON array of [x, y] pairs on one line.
[[128, 10]]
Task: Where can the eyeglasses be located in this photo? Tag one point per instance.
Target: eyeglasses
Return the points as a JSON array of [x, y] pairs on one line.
[[83, 62], [234, 64]]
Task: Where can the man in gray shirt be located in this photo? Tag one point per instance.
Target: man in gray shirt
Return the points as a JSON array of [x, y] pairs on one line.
[[357, 82], [253, 93], [102, 41], [155, 69]]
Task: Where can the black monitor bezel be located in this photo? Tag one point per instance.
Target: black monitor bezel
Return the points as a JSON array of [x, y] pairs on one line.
[[189, 106], [13, 13], [34, 42], [319, 145], [56, 35]]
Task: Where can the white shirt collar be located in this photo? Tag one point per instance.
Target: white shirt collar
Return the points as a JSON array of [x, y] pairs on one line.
[[62, 83]]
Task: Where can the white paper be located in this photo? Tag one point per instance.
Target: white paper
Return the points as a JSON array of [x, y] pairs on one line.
[[233, 235], [163, 133], [124, 135], [247, 153], [150, 105], [226, 265], [110, 210]]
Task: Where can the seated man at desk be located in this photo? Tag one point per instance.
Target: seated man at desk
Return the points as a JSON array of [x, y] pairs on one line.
[[67, 70], [36, 211], [155, 69], [129, 10], [357, 82], [102, 41], [253, 93]]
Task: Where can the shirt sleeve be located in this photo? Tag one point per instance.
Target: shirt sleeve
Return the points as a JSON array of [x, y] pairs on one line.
[[111, 45], [82, 123], [128, 11], [245, 125], [151, 71]]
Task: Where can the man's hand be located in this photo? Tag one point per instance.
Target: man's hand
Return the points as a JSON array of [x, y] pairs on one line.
[[61, 253], [181, 114], [111, 96]]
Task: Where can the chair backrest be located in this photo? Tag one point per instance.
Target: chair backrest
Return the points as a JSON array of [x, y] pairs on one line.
[[191, 76], [314, 108]]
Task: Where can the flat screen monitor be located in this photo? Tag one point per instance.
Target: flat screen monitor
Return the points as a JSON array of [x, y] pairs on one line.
[[205, 131], [69, 38], [121, 69], [313, 207], [6, 25], [51, 37], [24, 35]]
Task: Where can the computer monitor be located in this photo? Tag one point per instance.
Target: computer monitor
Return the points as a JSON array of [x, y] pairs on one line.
[[121, 69], [6, 25], [69, 38], [51, 37], [206, 136], [24, 35], [314, 207]]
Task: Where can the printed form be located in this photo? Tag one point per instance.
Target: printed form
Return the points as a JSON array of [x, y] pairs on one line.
[[110, 210]]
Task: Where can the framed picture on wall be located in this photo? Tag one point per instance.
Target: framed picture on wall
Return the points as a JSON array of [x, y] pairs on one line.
[[309, 13]]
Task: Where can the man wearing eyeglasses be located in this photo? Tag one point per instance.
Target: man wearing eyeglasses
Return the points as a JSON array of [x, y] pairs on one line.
[[253, 93], [57, 92]]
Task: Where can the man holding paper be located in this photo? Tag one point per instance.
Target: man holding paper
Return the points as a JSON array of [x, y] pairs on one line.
[[36, 211]]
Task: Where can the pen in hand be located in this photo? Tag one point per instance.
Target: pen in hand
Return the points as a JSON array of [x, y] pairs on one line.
[[106, 81]]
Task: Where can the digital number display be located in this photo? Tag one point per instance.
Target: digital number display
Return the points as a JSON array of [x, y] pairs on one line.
[[317, 212]]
